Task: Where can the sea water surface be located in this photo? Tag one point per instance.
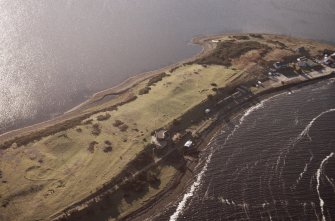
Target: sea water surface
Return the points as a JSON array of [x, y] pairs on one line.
[[275, 162], [54, 54]]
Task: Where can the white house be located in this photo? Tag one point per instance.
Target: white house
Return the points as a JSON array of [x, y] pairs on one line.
[[188, 143]]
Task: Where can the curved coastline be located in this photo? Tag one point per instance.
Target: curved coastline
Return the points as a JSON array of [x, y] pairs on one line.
[[180, 186], [203, 41], [115, 90], [179, 183]]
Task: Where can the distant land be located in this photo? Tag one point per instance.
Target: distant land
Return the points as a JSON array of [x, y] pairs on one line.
[[123, 154]]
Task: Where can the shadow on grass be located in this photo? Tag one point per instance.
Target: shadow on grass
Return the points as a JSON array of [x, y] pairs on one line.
[[109, 206]]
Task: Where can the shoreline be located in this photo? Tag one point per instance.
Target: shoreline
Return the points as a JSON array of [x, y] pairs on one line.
[[180, 180], [201, 40], [113, 91], [174, 193]]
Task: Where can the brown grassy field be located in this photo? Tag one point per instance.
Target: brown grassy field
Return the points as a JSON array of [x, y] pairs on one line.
[[50, 171]]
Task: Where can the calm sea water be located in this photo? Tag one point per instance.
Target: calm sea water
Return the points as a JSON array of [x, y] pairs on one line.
[[56, 53], [276, 162]]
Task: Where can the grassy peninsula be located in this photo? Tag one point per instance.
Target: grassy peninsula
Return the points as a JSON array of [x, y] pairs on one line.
[[97, 162]]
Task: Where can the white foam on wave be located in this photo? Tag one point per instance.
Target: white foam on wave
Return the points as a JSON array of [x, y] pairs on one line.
[[318, 175], [245, 115], [304, 171], [310, 124], [197, 183], [190, 193]]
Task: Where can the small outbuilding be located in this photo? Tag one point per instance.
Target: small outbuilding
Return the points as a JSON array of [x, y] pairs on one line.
[[188, 144], [162, 134], [302, 58], [279, 65], [160, 138], [304, 63]]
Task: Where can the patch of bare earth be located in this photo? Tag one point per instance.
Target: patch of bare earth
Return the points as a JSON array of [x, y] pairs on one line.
[[277, 53], [247, 60]]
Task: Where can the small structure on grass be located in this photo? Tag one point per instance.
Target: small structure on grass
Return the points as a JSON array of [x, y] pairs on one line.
[[329, 61], [280, 65], [160, 138], [308, 63], [188, 144], [302, 58]]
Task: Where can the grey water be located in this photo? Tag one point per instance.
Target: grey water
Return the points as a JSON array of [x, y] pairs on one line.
[[55, 54], [276, 162]]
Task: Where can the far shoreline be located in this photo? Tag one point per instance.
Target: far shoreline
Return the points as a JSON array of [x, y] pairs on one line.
[[119, 88], [226, 89], [112, 91]]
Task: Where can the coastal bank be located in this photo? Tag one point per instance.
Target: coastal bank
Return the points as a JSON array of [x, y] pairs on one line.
[[98, 162]]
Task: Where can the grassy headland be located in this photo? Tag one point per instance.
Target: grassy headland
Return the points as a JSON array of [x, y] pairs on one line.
[[98, 161]]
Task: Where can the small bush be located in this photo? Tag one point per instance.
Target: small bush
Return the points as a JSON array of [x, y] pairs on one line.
[[144, 90], [157, 78], [79, 130], [103, 117], [108, 149], [107, 142], [214, 84], [96, 129], [117, 123], [91, 146]]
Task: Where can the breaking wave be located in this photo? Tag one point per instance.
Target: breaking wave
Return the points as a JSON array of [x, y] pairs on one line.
[[190, 193], [306, 130], [318, 175], [197, 183]]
